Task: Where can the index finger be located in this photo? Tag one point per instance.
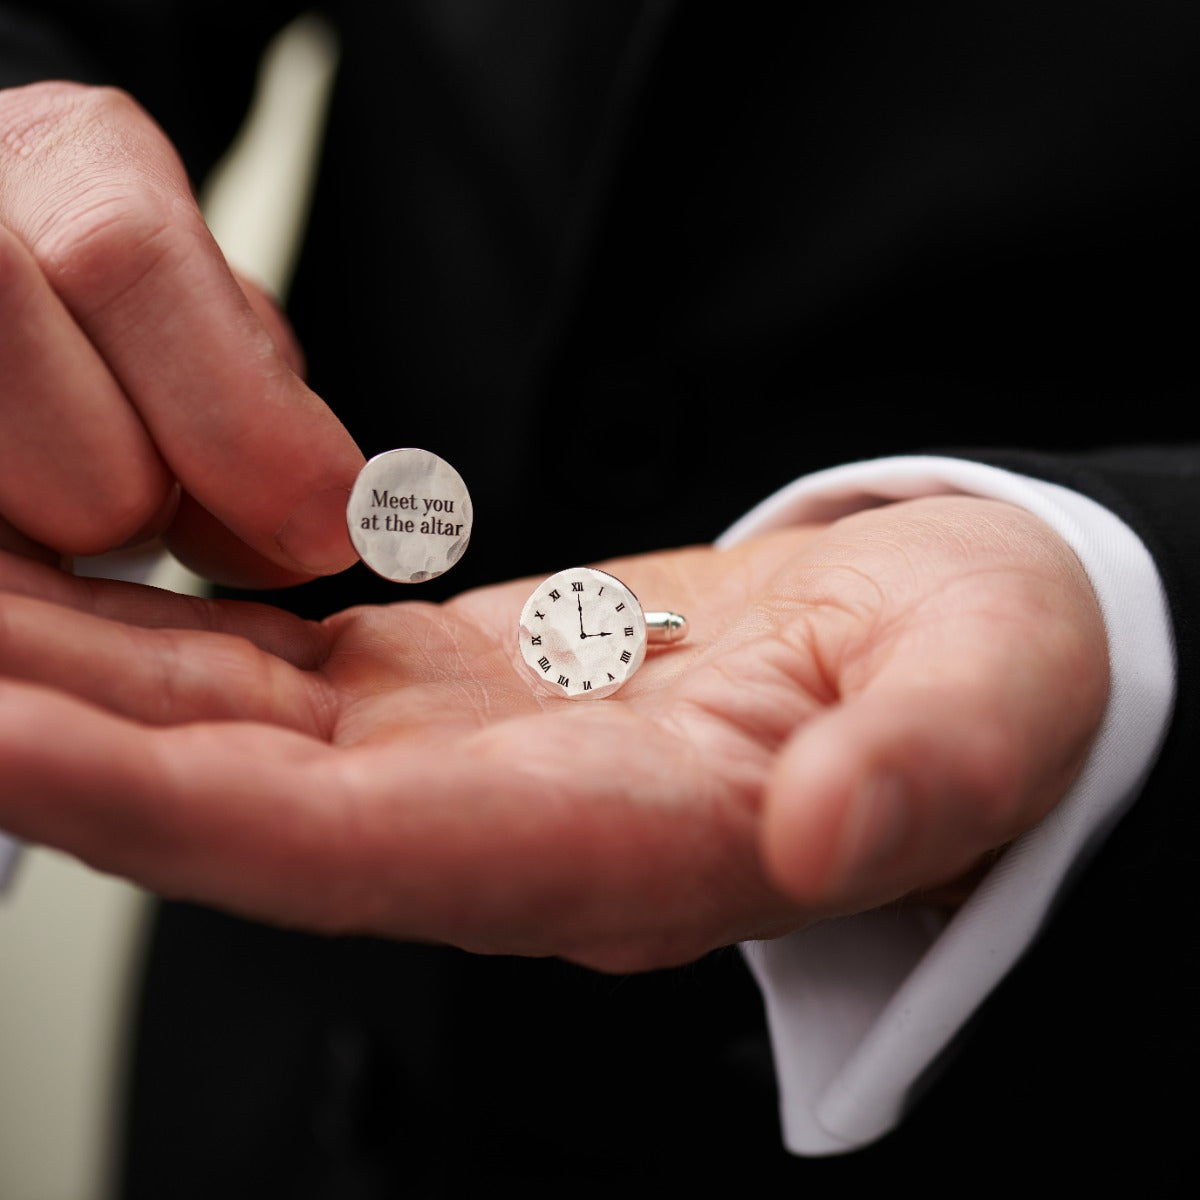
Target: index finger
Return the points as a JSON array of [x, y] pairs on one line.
[[100, 197]]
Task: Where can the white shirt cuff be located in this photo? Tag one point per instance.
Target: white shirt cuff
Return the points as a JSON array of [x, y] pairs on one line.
[[10, 851], [858, 1007]]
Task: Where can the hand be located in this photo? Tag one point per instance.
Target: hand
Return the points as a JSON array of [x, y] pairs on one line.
[[144, 389], [862, 712]]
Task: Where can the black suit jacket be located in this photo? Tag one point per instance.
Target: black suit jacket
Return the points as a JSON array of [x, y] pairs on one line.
[[821, 234]]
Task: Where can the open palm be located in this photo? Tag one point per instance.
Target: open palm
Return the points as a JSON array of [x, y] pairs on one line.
[[861, 711]]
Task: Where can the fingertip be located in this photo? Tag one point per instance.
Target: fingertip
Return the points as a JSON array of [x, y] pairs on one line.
[[837, 826], [315, 537], [801, 814]]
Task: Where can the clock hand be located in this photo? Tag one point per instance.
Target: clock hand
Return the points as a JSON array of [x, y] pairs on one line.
[[579, 605]]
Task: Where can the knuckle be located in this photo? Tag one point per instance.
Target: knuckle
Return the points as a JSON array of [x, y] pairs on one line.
[[103, 245], [137, 503], [107, 200], [90, 509], [32, 117], [127, 517], [51, 132], [124, 521]]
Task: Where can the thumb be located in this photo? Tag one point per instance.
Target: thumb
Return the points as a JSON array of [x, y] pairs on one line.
[[899, 790]]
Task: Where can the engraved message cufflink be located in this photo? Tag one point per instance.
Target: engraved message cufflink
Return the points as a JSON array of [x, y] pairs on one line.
[[583, 633], [409, 515]]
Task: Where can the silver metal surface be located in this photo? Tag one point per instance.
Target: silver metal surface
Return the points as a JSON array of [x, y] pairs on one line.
[[662, 627], [583, 633], [409, 515]]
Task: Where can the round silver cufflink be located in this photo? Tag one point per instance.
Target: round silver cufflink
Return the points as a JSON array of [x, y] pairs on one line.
[[409, 515], [583, 633]]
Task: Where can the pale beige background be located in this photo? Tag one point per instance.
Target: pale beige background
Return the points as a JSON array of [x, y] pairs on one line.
[[69, 937]]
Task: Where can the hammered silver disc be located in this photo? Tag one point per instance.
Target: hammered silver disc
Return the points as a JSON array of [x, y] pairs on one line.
[[409, 515], [582, 634]]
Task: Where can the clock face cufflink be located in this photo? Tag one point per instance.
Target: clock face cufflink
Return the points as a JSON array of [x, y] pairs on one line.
[[583, 633], [409, 515]]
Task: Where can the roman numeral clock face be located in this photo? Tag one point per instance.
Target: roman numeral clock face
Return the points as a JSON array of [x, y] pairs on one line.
[[582, 633]]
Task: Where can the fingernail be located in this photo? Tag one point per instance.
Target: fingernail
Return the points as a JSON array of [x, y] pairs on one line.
[[315, 536], [875, 829]]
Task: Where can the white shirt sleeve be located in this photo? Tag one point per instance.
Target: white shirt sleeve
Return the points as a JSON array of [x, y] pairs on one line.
[[10, 851], [858, 1006]]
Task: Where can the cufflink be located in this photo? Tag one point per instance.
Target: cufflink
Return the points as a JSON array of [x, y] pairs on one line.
[[583, 633], [409, 515]]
